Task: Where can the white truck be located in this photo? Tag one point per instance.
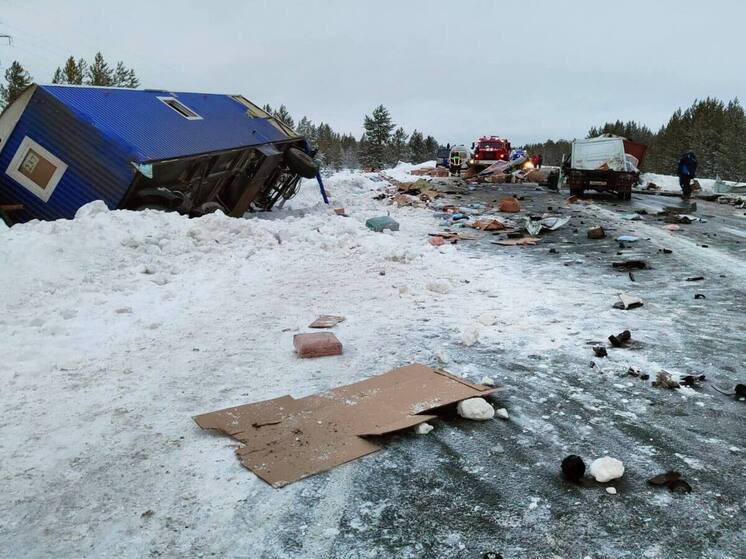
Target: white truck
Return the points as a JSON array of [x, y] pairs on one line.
[[607, 163]]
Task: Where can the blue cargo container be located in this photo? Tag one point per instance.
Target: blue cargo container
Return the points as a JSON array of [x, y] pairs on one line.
[[62, 147]]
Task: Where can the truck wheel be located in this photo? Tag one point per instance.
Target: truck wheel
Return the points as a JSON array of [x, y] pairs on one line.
[[301, 163]]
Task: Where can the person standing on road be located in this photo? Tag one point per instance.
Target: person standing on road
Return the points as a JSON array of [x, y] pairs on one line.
[[456, 163], [540, 161], [687, 170]]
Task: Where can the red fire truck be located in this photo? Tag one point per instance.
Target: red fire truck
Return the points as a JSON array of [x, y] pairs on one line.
[[489, 149]]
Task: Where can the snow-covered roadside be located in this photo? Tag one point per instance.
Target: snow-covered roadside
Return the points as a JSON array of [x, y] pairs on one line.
[[670, 183], [120, 326]]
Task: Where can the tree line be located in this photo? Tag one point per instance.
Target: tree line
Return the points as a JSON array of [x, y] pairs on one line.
[[73, 72], [382, 144], [713, 129]]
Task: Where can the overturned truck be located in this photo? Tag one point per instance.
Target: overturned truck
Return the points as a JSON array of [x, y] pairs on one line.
[[62, 147]]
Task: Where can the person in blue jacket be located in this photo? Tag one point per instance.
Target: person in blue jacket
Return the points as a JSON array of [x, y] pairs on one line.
[[687, 170]]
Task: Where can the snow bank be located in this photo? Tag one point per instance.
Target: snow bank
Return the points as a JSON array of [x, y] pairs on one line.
[[670, 183]]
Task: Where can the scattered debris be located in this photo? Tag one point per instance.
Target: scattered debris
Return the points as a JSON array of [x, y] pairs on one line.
[[620, 340], [436, 240], [510, 205], [317, 344], [287, 439], [671, 227], [627, 265], [606, 468], [696, 278], [627, 239], [488, 225], [611, 490], [672, 480], [379, 224], [627, 302], [739, 392], [692, 381], [423, 428], [326, 321], [502, 413], [635, 372], [477, 409], [516, 242], [487, 319], [341, 211], [533, 228], [699, 296], [665, 380], [487, 381], [600, 351], [631, 217], [573, 468], [596, 233]]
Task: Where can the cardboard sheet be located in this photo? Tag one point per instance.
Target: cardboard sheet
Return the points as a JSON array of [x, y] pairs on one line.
[[287, 439]]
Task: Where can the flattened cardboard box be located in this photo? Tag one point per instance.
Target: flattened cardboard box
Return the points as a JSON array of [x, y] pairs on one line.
[[287, 439]]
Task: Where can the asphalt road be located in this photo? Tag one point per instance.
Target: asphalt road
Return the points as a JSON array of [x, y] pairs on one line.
[[472, 488]]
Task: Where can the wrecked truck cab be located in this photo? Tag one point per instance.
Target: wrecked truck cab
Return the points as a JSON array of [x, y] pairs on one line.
[[62, 147]]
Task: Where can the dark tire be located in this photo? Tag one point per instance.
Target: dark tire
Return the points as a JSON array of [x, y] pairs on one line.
[[301, 163]]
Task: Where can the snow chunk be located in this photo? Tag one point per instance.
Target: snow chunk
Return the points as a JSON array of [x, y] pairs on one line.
[[94, 208], [606, 468], [475, 408], [438, 287], [611, 490], [487, 319], [487, 381], [502, 413], [470, 335], [423, 428]]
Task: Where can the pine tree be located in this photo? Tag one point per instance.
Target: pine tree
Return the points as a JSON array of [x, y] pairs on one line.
[[125, 77], [16, 80], [398, 149], [431, 148], [71, 73], [417, 147], [378, 127], [268, 109], [99, 73], [283, 115]]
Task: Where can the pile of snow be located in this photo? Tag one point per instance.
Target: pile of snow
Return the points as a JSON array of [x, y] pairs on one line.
[[402, 172], [670, 183]]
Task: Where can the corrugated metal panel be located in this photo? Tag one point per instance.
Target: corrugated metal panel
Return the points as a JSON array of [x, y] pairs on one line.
[[156, 132], [98, 168]]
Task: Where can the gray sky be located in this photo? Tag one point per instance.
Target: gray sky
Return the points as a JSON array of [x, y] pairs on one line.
[[526, 70]]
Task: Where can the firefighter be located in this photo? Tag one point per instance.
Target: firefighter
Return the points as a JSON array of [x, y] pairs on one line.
[[687, 170], [456, 163]]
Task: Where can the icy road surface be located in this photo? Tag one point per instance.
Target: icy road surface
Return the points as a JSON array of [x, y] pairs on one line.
[[118, 327]]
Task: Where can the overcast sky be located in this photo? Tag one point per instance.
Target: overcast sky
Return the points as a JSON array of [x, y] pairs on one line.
[[527, 70]]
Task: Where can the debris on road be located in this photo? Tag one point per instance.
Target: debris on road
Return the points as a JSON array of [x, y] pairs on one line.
[[285, 440], [517, 242], [510, 204], [620, 340], [611, 490], [326, 321], [672, 480], [627, 265], [502, 413], [436, 240], [596, 233], [477, 409], [627, 302], [696, 278], [692, 381], [699, 296], [600, 351], [317, 344], [606, 468], [423, 428], [573, 468], [664, 380], [627, 239], [379, 224], [488, 225]]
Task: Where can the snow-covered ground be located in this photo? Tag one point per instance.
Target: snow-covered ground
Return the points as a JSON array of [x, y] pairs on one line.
[[118, 327], [670, 183]]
